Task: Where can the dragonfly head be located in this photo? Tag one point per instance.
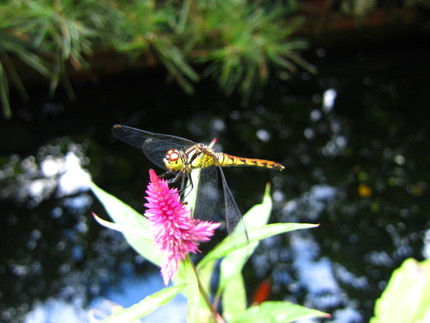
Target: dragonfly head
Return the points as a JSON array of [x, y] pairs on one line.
[[173, 160]]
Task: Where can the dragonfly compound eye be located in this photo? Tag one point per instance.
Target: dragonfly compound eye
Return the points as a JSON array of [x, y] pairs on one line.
[[173, 160]]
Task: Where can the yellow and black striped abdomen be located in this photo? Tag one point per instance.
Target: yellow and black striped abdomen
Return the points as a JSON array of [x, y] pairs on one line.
[[226, 160]]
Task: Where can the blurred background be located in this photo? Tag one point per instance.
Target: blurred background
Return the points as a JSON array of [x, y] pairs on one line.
[[337, 91]]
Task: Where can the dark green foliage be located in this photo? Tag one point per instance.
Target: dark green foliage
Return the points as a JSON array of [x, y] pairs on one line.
[[238, 42]]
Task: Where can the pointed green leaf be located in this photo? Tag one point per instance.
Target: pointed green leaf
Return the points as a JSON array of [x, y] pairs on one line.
[[4, 92], [205, 275], [407, 295], [231, 283], [198, 303], [238, 247], [233, 296], [146, 306], [192, 291], [135, 226], [190, 192], [227, 245], [274, 312]]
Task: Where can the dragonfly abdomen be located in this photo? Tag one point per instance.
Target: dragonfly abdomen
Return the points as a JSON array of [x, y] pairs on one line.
[[226, 160]]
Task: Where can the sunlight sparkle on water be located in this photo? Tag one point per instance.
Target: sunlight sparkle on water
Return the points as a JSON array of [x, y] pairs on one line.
[[329, 98]]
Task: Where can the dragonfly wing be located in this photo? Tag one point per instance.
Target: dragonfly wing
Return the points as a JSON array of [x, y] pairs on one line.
[[207, 194], [232, 213], [154, 145]]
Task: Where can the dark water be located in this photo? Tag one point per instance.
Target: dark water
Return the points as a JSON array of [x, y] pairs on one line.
[[354, 140]]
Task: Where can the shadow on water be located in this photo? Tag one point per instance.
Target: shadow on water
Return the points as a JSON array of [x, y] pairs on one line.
[[353, 141]]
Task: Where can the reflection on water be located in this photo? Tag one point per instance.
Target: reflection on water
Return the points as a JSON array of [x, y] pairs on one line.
[[130, 291], [352, 141], [50, 173], [57, 310]]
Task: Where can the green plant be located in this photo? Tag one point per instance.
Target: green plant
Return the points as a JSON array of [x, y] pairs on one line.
[[406, 298], [148, 29], [48, 35], [241, 43], [194, 282]]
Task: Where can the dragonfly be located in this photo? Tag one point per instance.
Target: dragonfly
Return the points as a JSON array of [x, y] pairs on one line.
[[179, 156]]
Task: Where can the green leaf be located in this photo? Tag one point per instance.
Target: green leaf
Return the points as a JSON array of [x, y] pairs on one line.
[[239, 238], [233, 296], [407, 296], [227, 245], [238, 247], [145, 307], [259, 214], [134, 225], [231, 283], [190, 192], [205, 275], [194, 296], [199, 308], [273, 312], [4, 92]]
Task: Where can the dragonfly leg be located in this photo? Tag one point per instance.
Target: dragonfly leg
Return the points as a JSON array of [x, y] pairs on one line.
[[174, 179], [180, 175], [169, 172], [184, 186]]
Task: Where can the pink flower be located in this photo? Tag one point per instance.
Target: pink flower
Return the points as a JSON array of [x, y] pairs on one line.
[[175, 232]]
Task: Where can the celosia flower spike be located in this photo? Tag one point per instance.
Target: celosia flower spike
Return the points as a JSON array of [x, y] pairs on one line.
[[175, 232]]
